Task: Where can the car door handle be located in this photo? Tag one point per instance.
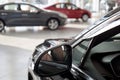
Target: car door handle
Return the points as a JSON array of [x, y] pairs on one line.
[[24, 14], [4, 14]]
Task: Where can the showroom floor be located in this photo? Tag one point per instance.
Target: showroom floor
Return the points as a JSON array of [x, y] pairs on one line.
[[17, 45]]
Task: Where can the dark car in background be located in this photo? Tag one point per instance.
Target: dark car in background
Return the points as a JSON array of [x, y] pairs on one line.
[[71, 10], [23, 14], [94, 54]]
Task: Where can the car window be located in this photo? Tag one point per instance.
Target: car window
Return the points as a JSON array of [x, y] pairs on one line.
[[58, 6], [10, 7], [69, 6], [111, 45], [61, 6], [73, 7], [79, 52], [28, 8]]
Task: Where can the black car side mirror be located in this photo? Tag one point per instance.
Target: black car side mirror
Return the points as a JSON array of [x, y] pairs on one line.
[[54, 61]]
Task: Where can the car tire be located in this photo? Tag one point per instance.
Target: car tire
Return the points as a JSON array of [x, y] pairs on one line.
[[1, 25], [53, 24], [85, 18]]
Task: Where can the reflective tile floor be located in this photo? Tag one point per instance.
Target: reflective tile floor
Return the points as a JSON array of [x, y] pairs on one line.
[[13, 63], [17, 45]]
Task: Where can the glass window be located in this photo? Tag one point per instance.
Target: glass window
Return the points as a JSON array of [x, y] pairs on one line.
[[105, 53], [57, 6], [110, 45], [63, 6], [10, 7], [28, 8], [74, 7], [69, 6], [79, 52]]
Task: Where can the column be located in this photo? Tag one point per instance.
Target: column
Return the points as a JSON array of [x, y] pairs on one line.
[[95, 5], [81, 3]]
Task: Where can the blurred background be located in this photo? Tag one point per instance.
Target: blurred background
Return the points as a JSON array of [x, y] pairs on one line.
[[18, 43]]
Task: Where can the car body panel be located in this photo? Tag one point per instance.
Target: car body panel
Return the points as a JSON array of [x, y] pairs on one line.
[[72, 11]]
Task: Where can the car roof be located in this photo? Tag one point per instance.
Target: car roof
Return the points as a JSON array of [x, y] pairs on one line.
[[16, 3], [101, 25], [26, 3], [53, 4], [64, 3], [60, 3]]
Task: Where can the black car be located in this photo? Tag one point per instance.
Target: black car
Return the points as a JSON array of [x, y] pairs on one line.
[[23, 14], [94, 54]]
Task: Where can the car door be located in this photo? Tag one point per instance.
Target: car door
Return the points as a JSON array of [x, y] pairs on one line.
[[31, 15], [10, 14], [73, 11]]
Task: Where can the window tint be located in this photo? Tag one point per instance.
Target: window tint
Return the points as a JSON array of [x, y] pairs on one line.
[[63, 6]]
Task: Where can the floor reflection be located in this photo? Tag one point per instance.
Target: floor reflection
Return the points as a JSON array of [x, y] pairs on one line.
[[39, 32], [42, 34], [13, 63], [18, 43]]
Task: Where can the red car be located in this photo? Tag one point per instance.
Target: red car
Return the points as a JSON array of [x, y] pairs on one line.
[[71, 10]]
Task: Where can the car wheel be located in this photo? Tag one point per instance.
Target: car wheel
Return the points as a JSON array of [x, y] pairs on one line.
[[53, 24], [1, 25], [85, 18]]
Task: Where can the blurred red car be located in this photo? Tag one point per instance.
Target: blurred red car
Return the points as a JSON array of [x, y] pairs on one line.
[[71, 10]]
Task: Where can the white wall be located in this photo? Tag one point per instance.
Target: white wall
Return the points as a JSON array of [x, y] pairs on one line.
[[79, 3], [3, 1], [95, 5]]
